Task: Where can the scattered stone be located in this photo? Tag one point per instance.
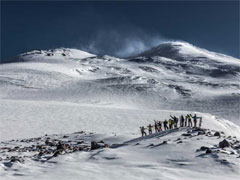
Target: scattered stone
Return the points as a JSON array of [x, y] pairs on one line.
[[16, 159], [203, 148], [164, 142], [208, 151], [217, 134], [224, 144], [40, 153], [201, 133], [186, 134], [80, 142], [94, 145], [179, 142], [150, 145]]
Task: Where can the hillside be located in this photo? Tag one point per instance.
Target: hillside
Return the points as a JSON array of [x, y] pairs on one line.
[[55, 94]]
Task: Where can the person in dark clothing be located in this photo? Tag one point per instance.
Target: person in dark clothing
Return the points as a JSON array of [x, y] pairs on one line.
[[143, 131], [170, 123], [159, 126], [156, 126], [175, 122], [195, 120], [181, 121], [186, 120], [200, 122], [165, 125]]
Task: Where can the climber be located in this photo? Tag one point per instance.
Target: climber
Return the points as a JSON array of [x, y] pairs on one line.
[[165, 125], [181, 121], [159, 126], [189, 120], [175, 122], [170, 123], [143, 131], [150, 129], [195, 120], [156, 126], [200, 122], [186, 119]]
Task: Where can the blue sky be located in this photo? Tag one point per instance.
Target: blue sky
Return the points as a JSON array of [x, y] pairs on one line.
[[118, 28]]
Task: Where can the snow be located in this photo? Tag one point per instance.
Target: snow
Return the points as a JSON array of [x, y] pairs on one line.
[[60, 54], [189, 49], [63, 91]]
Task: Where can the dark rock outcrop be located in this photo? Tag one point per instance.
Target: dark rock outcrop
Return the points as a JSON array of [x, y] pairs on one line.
[[224, 144]]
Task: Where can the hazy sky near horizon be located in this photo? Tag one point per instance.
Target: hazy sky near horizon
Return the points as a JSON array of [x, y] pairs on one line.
[[118, 28]]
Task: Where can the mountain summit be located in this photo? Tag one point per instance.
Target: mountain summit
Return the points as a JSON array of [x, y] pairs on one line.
[[183, 51]]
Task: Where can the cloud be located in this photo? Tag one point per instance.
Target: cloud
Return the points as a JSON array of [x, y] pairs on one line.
[[122, 42]]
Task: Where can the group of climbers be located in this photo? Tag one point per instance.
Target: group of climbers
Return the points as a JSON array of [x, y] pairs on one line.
[[172, 123]]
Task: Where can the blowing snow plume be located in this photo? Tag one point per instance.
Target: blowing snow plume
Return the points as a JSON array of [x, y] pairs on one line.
[[122, 43]]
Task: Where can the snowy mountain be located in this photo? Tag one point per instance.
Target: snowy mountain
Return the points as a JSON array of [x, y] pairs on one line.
[[62, 91]]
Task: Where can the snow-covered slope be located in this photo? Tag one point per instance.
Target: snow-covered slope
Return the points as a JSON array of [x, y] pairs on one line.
[[168, 79], [66, 90]]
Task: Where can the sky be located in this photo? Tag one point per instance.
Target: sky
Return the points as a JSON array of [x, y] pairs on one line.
[[118, 28]]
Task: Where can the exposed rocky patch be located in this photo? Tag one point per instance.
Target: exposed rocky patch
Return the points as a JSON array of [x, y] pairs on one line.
[[47, 147]]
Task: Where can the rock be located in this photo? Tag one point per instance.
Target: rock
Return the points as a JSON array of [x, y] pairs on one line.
[[164, 142], [48, 143], [94, 145], [15, 159], [150, 145], [40, 154], [203, 148], [217, 134], [80, 142], [179, 142], [56, 153], [200, 133], [237, 147], [224, 144], [208, 151], [60, 146], [186, 134]]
